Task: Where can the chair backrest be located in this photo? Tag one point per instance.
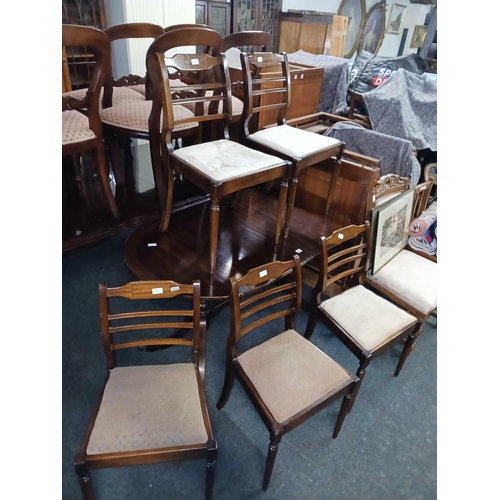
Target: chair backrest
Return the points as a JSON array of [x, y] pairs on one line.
[[266, 86], [343, 258], [387, 187], [248, 41], [89, 39], [152, 318], [421, 197], [204, 72], [430, 172], [258, 293]]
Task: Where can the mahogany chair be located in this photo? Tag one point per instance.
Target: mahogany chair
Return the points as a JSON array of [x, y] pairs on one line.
[[82, 132], [421, 197], [149, 413], [265, 73], [287, 378], [220, 167], [364, 322]]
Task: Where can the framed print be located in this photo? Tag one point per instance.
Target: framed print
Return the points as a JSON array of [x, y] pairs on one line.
[[418, 37], [374, 31], [391, 234], [355, 11], [396, 18]]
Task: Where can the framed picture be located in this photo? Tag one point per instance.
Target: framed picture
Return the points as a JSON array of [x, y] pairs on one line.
[[418, 37], [392, 221], [374, 31], [355, 11], [396, 18]]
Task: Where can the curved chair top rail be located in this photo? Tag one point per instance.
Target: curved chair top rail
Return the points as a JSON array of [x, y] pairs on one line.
[[133, 30], [260, 40]]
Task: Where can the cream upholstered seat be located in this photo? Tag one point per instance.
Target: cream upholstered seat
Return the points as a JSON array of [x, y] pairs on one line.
[[287, 378], [411, 277], [364, 322], [146, 407], [310, 374], [75, 127], [121, 95], [293, 142]]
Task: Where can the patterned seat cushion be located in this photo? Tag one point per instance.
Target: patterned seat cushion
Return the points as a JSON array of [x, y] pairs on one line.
[[411, 277], [149, 407], [293, 142], [141, 88], [224, 160], [368, 318], [75, 127], [120, 95], [290, 374], [135, 115], [236, 103]]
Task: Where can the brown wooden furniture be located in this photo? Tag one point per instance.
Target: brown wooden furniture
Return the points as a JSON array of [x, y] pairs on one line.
[[216, 14], [149, 413], [364, 322], [430, 172], [421, 197], [286, 378], [297, 146], [83, 132], [219, 167]]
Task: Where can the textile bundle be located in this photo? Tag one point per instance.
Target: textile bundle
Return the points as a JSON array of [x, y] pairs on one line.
[[427, 242], [421, 224]]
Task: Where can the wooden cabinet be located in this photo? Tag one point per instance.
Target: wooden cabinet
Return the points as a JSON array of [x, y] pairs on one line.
[[77, 62], [216, 14], [260, 15]]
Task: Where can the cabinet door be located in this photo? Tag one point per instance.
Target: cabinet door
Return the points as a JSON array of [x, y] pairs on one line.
[[246, 16], [201, 13], [269, 16], [219, 17]]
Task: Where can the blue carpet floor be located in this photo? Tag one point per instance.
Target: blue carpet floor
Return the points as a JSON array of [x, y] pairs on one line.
[[386, 449]]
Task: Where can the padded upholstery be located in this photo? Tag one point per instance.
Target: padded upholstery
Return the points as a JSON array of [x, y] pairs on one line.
[[368, 318], [135, 115], [120, 95], [147, 407], [294, 142], [141, 88], [290, 373], [411, 277], [236, 103], [75, 127], [223, 160]]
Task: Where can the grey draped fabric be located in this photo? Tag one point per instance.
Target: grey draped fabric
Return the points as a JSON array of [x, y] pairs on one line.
[[333, 93], [395, 154], [405, 106]]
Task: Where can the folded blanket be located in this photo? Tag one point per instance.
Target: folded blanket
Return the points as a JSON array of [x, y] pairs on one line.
[[426, 243], [421, 224]]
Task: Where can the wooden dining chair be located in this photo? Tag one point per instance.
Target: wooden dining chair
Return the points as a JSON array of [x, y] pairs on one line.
[[267, 74], [364, 322], [287, 379], [82, 131], [148, 414], [421, 197], [220, 167]]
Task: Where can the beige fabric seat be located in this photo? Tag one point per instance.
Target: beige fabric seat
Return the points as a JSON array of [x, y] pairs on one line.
[[290, 373], [237, 105], [141, 88], [147, 407], [223, 160], [75, 127], [369, 319], [411, 277], [121, 95], [293, 142]]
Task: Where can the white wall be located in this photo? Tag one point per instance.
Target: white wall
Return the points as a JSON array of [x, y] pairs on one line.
[[414, 15]]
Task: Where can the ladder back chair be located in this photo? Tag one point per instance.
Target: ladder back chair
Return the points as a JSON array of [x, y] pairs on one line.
[[159, 412], [421, 197], [82, 131], [364, 322], [286, 378], [220, 167], [268, 74]]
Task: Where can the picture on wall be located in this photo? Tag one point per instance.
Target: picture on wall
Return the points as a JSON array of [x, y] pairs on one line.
[[396, 18], [417, 40], [373, 34], [355, 11], [392, 221]]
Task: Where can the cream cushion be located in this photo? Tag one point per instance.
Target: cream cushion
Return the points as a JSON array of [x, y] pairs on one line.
[[134, 115], [75, 127], [223, 160], [411, 277], [290, 374], [146, 407], [293, 142], [120, 95], [369, 319]]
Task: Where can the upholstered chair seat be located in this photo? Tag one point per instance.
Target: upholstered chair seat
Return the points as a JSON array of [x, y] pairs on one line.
[[311, 374], [141, 88], [223, 160], [134, 115], [75, 127], [366, 317], [293, 142], [237, 105], [149, 407], [411, 277], [121, 95]]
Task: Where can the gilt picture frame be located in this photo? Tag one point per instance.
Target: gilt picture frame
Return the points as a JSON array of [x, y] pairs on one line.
[[355, 11], [396, 19], [392, 221], [374, 30], [418, 37]]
